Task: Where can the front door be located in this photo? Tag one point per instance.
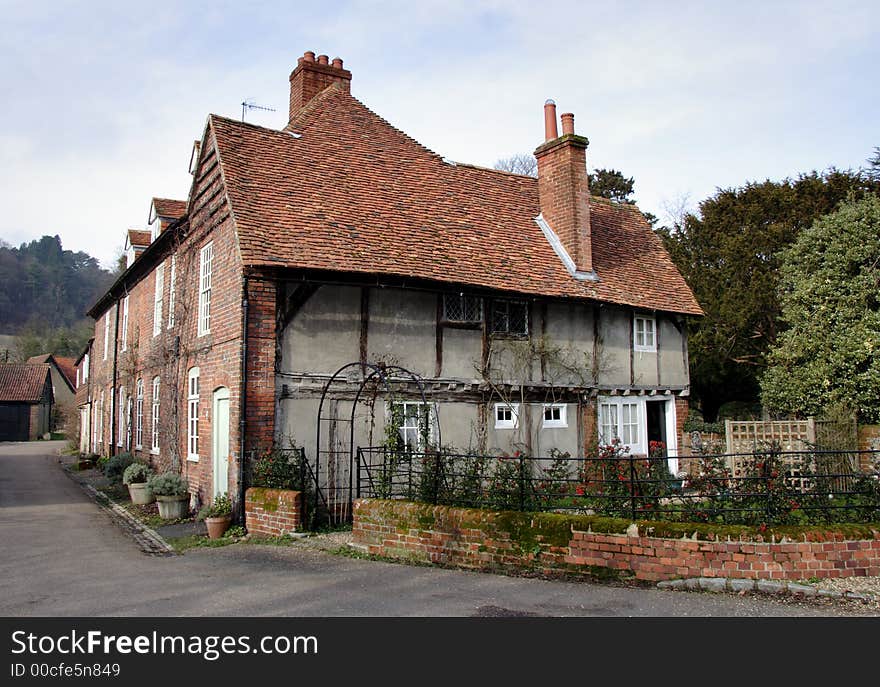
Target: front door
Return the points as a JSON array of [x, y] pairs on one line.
[[220, 441]]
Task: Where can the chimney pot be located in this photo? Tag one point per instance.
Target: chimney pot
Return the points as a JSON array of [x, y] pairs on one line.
[[550, 130], [311, 76], [337, 62], [323, 59], [567, 124], [309, 56]]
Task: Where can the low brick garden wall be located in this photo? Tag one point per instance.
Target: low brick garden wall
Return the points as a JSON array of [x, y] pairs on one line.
[[272, 512], [550, 542]]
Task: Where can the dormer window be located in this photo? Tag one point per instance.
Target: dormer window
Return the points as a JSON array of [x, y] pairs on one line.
[[644, 334]]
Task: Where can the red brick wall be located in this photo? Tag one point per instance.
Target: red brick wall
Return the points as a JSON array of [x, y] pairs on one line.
[[484, 539], [272, 512], [174, 351], [564, 193]]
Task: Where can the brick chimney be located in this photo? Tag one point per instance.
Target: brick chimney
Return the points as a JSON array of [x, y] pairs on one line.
[[312, 76], [564, 190]]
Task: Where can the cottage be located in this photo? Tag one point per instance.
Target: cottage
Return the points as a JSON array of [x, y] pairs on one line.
[[25, 401], [509, 312]]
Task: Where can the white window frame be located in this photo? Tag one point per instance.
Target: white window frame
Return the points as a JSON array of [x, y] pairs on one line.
[[504, 422], [125, 323], [106, 333], [154, 416], [561, 421], [622, 407], [85, 368], [408, 427], [139, 416], [158, 295], [648, 333], [192, 415], [99, 423], [77, 379], [120, 411], [172, 279], [206, 265]]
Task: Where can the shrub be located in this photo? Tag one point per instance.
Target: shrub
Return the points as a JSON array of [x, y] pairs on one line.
[[221, 507], [168, 484], [115, 466], [136, 473], [277, 469]]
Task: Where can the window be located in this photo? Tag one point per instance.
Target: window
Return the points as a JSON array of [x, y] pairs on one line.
[[99, 421], [506, 415], [139, 416], [120, 409], [128, 424], [171, 279], [77, 378], [644, 334], [622, 419], [415, 423], [125, 323], [85, 368], [106, 333], [510, 317], [192, 401], [555, 415], [205, 265], [154, 425], [460, 307], [157, 299]]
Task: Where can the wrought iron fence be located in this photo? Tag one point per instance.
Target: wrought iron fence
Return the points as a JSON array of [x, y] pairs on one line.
[[767, 487]]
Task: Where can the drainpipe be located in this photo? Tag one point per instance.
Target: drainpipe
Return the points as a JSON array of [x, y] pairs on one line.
[[242, 398], [115, 396]]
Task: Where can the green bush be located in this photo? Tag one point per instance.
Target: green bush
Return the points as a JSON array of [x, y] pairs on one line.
[[277, 469], [168, 484], [136, 473], [221, 507], [115, 466]]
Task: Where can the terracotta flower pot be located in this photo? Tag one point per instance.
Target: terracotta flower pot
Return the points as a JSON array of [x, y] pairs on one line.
[[140, 493], [173, 507], [217, 526]]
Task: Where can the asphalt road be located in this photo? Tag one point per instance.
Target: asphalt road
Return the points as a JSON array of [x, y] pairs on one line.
[[60, 555]]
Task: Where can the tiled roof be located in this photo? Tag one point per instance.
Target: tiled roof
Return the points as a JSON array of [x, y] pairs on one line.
[[66, 366], [354, 194], [22, 382], [139, 237], [166, 207]]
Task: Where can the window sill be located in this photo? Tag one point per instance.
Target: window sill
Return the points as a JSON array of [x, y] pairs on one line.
[[192, 459], [555, 425], [644, 349], [154, 452]]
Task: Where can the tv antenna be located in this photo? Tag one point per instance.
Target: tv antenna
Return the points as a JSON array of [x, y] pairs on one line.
[[247, 105]]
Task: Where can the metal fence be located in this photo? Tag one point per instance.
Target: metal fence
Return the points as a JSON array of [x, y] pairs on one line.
[[768, 487]]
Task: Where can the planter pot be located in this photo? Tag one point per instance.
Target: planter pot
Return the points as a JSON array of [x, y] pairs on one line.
[[217, 526], [173, 507], [140, 493]]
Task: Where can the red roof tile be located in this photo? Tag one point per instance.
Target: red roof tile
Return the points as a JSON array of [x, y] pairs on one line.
[[139, 237], [22, 382], [166, 207], [354, 194], [66, 366]]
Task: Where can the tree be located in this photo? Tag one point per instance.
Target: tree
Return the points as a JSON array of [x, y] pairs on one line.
[[873, 170], [521, 163], [611, 184], [730, 258], [830, 297]]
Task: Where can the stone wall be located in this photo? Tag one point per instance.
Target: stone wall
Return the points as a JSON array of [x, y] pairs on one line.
[[550, 542]]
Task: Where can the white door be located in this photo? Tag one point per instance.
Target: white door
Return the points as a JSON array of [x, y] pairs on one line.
[[220, 441]]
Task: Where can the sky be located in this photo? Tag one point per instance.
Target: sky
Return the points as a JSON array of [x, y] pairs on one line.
[[102, 100]]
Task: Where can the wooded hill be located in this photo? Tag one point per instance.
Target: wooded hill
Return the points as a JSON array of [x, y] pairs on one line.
[[45, 292]]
